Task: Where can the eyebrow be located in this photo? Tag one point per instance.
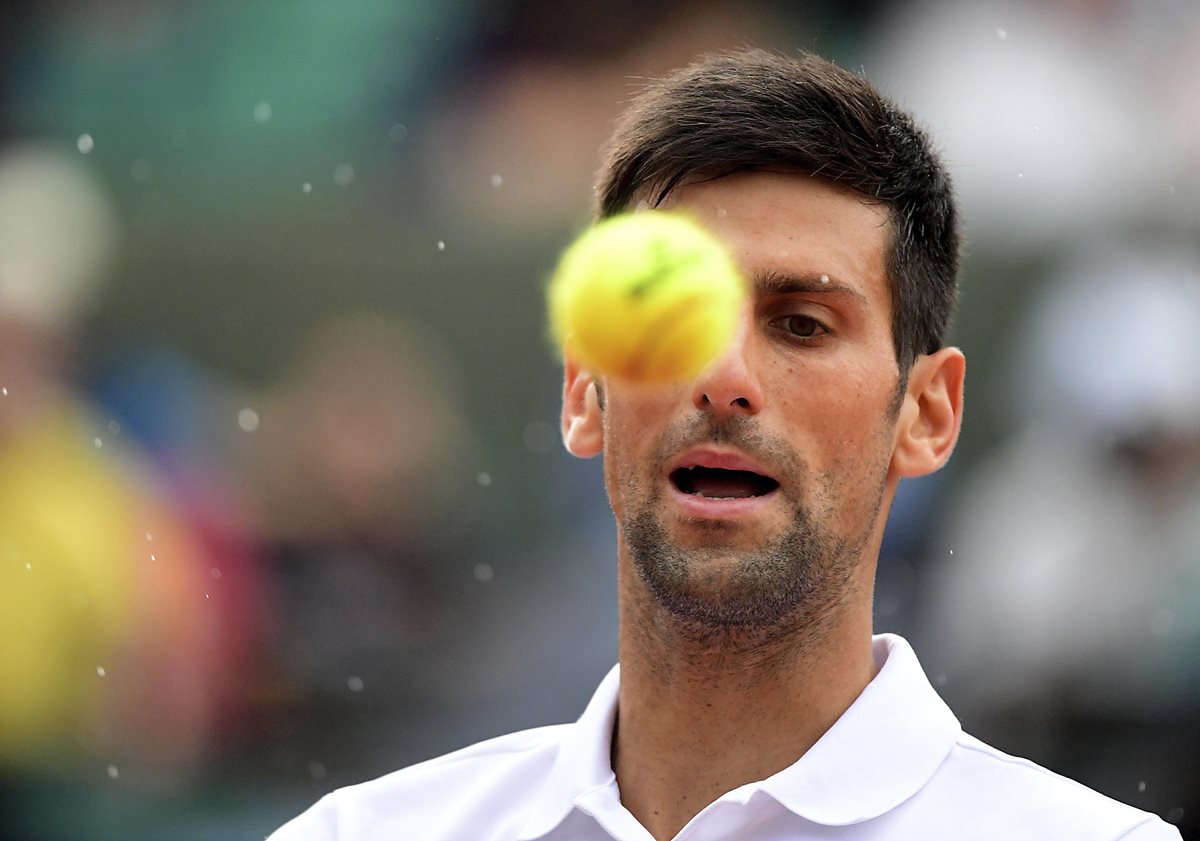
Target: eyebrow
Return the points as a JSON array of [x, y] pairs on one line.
[[777, 283]]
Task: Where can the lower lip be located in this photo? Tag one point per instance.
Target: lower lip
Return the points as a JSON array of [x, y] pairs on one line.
[[709, 508]]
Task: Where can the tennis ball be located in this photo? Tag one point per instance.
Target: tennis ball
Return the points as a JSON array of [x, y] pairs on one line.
[[650, 296]]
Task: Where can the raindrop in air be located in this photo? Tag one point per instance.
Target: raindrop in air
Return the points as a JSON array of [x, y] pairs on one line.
[[539, 437], [248, 420], [1162, 622], [85, 144]]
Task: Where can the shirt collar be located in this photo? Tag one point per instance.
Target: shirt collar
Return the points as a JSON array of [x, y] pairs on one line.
[[881, 751], [583, 764]]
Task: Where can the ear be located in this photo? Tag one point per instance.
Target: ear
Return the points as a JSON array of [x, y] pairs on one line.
[[931, 414], [582, 421]]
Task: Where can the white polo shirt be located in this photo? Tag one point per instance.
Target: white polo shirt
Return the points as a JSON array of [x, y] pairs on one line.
[[895, 766]]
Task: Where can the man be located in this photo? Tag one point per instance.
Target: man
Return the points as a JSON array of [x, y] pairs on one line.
[[751, 700]]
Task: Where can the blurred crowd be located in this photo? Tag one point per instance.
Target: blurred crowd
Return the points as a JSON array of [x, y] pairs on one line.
[[282, 504]]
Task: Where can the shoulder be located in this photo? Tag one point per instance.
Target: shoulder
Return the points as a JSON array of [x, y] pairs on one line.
[[1014, 795], [432, 798]]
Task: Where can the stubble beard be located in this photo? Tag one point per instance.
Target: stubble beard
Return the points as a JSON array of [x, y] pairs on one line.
[[784, 588]]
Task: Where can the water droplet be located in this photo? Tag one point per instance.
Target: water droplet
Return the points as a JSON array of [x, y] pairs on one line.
[[722, 213], [497, 181], [484, 573], [101, 671], [28, 565], [4, 391], [1142, 785], [355, 683], [214, 572], [316, 770], [154, 557], [262, 112], [1002, 34], [114, 427], [208, 595], [484, 479], [343, 175], [824, 278], [248, 420], [540, 436], [940, 680], [113, 773], [1020, 175], [85, 144], [1162, 622], [306, 187], [397, 132], [951, 551], [149, 536], [441, 245], [97, 443]]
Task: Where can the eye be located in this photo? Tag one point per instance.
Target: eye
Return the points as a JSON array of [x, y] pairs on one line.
[[801, 326]]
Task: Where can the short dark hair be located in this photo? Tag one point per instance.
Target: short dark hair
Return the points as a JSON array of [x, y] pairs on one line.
[[755, 110]]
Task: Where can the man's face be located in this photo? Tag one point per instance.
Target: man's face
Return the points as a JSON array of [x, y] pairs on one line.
[[750, 495]]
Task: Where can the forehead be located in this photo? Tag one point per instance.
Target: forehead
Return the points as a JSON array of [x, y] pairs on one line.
[[794, 225]]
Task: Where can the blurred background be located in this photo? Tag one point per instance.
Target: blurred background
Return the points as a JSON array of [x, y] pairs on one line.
[[282, 502]]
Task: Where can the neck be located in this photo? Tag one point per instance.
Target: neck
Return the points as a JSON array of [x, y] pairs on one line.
[[700, 714]]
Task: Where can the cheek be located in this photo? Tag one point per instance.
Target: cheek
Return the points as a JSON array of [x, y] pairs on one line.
[[628, 454], [846, 413]]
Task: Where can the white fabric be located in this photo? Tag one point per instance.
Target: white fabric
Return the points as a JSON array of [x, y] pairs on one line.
[[896, 765]]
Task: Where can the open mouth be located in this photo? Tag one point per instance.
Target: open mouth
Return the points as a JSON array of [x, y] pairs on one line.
[[718, 483]]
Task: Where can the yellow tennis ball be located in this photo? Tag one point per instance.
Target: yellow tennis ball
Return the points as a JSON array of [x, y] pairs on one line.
[[650, 296]]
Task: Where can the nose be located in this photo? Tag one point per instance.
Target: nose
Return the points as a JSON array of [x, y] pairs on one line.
[[729, 385]]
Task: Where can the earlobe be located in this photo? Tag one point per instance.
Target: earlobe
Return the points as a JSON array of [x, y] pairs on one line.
[[582, 422], [931, 415]]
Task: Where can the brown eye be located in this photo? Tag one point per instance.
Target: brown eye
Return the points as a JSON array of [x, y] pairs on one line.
[[803, 326]]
